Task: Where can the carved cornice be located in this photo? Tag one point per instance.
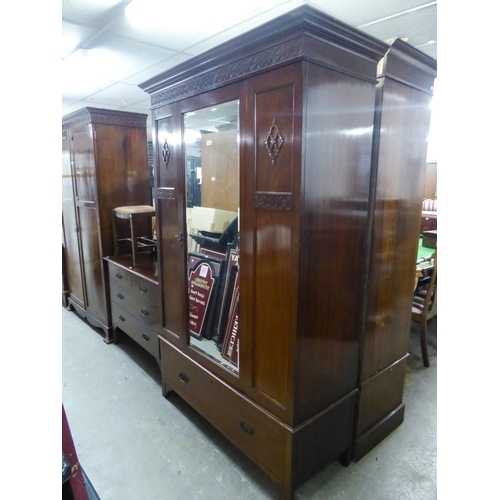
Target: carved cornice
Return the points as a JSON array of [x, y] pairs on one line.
[[283, 52], [273, 201], [408, 65], [299, 35], [104, 116]]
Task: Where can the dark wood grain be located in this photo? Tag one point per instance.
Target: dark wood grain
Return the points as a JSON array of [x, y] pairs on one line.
[[311, 278], [406, 78], [336, 186], [105, 165]]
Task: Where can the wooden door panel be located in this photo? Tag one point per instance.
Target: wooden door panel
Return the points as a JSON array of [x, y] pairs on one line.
[[83, 163], [70, 227], [170, 208], [274, 220], [274, 138], [92, 263]]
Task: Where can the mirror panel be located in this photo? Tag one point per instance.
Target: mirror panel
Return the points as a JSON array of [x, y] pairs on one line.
[[211, 148]]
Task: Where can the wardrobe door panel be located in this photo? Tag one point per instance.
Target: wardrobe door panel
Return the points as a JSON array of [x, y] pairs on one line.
[[170, 208], [277, 105], [83, 164], [273, 298], [70, 226], [274, 138], [92, 263]]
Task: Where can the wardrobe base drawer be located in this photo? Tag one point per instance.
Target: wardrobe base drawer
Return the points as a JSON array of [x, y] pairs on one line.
[[256, 432]]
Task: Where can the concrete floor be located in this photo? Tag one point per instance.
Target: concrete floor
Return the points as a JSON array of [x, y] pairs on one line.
[[135, 445]]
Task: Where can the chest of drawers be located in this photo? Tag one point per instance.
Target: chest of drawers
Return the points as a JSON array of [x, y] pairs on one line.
[[134, 299]]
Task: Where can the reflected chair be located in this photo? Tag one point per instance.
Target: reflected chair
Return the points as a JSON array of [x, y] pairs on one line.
[[424, 305]]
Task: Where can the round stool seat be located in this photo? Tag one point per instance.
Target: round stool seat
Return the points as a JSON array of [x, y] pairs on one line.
[[128, 211], [132, 213]]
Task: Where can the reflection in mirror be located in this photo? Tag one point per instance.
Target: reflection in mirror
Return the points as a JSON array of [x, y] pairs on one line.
[[211, 145]]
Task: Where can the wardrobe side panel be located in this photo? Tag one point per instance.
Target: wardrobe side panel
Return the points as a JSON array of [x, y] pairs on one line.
[[338, 137], [399, 191]]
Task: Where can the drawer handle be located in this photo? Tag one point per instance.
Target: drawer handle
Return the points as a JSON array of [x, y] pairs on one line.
[[144, 311], [121, 318], [247, 429], [119, 276], [145, 337], [120, 295], [143, 289], [184, 378]]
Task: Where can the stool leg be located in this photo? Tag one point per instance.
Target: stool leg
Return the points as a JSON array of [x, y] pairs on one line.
[[133, 237]]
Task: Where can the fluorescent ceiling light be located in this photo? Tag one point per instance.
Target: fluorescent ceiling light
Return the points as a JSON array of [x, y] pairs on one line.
[[83, 70], [214, 15]]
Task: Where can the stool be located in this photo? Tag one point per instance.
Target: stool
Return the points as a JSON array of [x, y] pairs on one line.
[[132, 213]]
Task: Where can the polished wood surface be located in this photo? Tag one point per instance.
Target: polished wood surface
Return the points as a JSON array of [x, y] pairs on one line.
[[170, 208], [309, 208], [104, 165], [70, 228], [338, 147], [404, 92], [272, 255]]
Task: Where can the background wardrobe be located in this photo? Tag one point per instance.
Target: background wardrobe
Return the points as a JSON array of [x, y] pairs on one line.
[[104, 165]]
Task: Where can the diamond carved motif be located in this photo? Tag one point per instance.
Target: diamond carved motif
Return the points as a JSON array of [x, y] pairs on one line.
[[274, 141], [165, 154]]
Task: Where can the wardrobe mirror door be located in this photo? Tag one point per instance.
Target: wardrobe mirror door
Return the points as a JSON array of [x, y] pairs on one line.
[[211, 148]]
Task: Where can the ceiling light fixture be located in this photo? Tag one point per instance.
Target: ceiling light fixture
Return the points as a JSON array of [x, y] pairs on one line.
[[217, 14]]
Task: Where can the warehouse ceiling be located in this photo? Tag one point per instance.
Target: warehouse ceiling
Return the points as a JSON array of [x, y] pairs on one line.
[[111, 46]]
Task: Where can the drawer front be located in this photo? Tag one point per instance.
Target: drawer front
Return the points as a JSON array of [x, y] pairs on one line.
[[119, 275], [145, 289], [146, 337], [257, 433], [135, 305]]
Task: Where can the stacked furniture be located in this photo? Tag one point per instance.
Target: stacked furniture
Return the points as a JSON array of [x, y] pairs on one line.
[[326, 219], [104, 165]]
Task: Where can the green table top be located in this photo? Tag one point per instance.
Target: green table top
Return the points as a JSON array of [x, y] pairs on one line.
[[423, 251]]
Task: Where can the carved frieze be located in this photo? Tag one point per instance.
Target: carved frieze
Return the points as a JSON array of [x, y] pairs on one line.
[[166, 193], [273, 201], [267, 58]]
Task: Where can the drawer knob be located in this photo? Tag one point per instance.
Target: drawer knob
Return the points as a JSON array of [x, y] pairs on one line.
[[144, 311], [247, 429], [120, 295], [121, 318], [119, 276], [184, 378], [143, 289], [145, 337]]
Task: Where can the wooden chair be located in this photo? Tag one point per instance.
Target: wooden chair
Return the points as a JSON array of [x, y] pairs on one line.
[[425, 302]]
